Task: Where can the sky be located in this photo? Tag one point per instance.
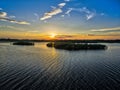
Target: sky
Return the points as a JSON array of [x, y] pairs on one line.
[[60, 19]]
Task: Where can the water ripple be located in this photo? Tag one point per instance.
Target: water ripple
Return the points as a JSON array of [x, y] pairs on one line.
[[42, 68]]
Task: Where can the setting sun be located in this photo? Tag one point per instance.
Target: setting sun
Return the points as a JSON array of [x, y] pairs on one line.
[[53, 35]]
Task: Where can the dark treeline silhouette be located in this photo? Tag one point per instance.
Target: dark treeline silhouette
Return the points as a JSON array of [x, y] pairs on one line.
[[79, 41], [76, 46], [23, 43]]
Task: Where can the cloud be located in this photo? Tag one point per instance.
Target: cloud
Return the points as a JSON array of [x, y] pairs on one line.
[[66, 0], [88, 13], [4, 17], [12, 17], [68, 12], [63, 36], [15, 28], [37, 16], [51, 14], [53, 7], [45, 17], [14, 21], [116, 29], [102, 14], [3, 14], [62, 15], [22, 22], [61, 5], [54, 12], [1, 9]]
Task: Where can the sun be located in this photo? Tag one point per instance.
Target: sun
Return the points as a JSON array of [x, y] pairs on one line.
[[52, 35]]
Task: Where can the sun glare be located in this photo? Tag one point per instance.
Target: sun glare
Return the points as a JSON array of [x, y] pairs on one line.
[[52, 35]]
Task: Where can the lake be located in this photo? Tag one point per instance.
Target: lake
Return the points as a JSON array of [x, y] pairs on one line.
[[41, 68]]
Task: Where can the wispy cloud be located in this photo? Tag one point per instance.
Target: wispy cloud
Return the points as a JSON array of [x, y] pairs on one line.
[[68, 12], [64, 36], [116, 29], [61, 5], [102, 14], [14, 28], [13, 21], [4, 17], [12, 17], [37, 16], [51, 14], [53, 7], [1, 9], [66, 0], [54, 12], [89, 14]]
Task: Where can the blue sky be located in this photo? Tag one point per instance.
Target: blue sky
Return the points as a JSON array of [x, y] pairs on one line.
[[60, 16]]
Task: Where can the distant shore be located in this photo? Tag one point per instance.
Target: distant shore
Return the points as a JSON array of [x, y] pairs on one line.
[[79, 41]]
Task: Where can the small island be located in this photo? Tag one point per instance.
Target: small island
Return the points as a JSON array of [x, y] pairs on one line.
[[76, 46], [23, 43]]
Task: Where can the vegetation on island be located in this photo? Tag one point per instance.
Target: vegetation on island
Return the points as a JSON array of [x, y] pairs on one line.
[[23, 43], [76, 46]]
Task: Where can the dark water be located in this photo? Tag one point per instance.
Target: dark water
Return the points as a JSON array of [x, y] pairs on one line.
[[41, 68]]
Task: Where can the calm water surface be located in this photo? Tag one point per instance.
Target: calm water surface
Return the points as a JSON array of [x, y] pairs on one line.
[[41, 68]]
